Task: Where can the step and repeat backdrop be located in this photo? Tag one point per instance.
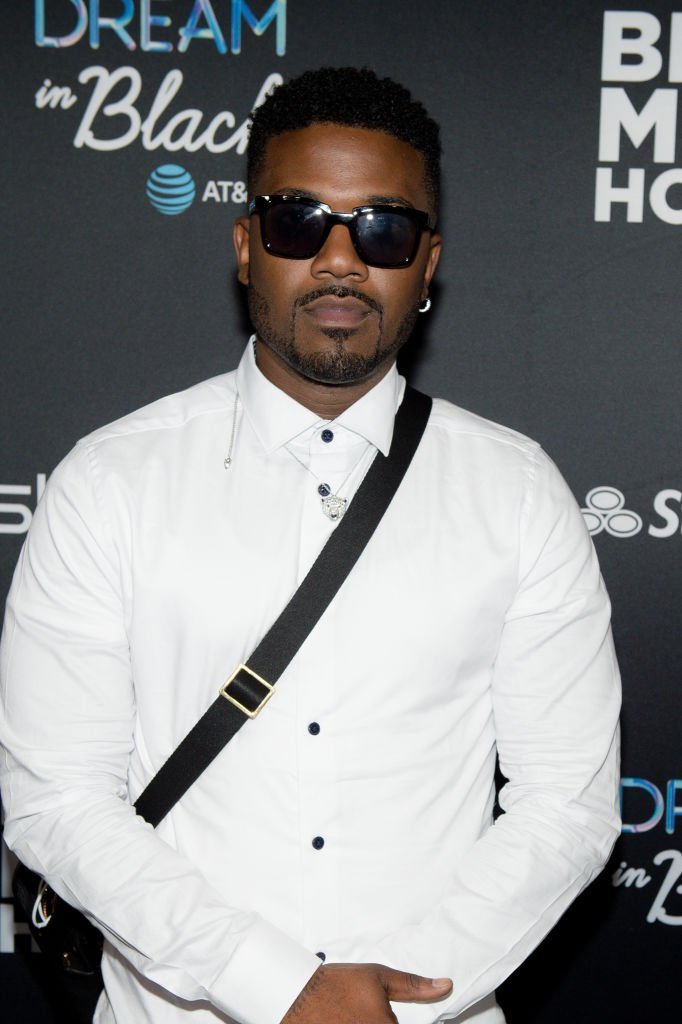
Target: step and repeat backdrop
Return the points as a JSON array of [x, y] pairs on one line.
[[557, 311]]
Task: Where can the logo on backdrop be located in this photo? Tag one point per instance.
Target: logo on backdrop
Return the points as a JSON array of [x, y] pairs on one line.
[[108, 109], [15, 516], [133, 28], [655, 809], [171, 189], [605, 512], [638, 119]]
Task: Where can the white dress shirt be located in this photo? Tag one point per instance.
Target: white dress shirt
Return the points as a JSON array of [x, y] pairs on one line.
[[475, 621]]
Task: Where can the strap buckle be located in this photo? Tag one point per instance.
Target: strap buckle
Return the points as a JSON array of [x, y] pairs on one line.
[[247, 693]]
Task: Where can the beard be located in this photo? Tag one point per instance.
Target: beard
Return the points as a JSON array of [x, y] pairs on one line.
[[336, 364]]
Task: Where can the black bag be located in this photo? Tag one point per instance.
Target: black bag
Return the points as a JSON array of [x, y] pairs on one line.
[[66, 938]]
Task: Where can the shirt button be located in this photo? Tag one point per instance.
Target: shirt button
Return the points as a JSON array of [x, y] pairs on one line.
[[327, 435], [322, 956], [314, 728], [318, 843], [324, 490]]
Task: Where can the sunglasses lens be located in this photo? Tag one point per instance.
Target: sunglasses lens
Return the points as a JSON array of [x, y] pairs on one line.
[[386, 238], [293, 230]]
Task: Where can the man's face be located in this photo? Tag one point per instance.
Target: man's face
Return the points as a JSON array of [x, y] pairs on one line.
[[332, 318]]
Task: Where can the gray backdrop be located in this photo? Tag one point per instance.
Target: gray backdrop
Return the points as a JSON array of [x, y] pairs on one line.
[[556, 311]]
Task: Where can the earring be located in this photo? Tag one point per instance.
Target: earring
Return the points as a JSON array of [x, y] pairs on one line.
[[425, 305]]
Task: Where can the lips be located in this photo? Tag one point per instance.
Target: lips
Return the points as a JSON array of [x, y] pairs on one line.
[[331, 311]]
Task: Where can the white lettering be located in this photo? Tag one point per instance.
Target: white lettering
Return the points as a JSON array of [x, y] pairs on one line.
[[186, 120], [674, 873], [164, 97], [659, 114], [207, 138], [106, 81], [219, 192], [671, 516], [182, 131], [658, 197], [616, 46], [632, 195], [211, 191], [21, 515], [627, 877], [49, 95]]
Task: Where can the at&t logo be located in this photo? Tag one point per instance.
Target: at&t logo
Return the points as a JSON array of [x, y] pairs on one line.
[[605, 512], [171, 189]]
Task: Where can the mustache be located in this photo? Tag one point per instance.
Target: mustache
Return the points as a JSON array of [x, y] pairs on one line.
[[338, 291]]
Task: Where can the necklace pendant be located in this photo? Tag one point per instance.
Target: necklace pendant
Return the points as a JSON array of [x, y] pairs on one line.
[[333, 507]]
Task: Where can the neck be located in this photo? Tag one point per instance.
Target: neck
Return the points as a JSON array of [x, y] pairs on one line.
[[326, 400]]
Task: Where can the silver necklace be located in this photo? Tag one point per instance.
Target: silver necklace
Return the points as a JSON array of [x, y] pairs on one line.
[[332, 504], [227, 461]]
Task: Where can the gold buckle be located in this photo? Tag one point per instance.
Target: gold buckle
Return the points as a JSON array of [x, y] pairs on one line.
[[237, 703]]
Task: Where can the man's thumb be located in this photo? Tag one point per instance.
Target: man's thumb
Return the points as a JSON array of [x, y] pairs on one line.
[[402, 987]]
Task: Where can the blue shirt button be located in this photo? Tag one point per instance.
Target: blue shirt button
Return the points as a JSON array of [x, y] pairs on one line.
[[318, 843], [327, 435], [314, 728], [324, 490]]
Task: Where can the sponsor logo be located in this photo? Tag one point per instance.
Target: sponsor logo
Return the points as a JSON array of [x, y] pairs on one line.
[[224, 192], [653, 809], [15, 516], [108, 108], [153, 126], [628, 122], [605, 512], [171, 189], [59, 26]]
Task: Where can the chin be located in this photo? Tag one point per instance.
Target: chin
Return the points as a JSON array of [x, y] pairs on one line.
[[336, 367]]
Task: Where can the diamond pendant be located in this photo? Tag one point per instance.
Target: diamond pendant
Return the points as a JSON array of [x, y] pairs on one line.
[[333, 507]]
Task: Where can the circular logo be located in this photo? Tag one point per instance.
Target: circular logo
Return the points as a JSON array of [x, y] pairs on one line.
[[171, 189], [605, 511]]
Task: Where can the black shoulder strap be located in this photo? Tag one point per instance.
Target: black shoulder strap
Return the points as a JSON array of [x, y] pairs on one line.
[[251, 685]]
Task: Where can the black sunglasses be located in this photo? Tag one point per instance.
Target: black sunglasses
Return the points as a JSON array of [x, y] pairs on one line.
[[383, 236]]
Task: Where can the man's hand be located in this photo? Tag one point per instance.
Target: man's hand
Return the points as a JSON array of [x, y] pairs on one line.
[[360, 994]]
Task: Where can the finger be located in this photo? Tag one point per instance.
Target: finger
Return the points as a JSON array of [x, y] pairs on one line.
[[403, 987]]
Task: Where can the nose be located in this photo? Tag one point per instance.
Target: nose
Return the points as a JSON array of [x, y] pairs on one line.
[[338, 258]]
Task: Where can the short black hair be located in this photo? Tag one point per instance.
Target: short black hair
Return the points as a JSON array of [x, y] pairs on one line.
[[355, 98]]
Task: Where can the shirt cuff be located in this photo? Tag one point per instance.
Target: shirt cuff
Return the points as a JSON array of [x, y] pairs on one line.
[[264, 976]]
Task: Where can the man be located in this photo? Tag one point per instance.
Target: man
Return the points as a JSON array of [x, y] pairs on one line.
[[340, 852]]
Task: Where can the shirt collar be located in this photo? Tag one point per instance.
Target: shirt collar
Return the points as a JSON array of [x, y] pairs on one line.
[[277, 418]]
